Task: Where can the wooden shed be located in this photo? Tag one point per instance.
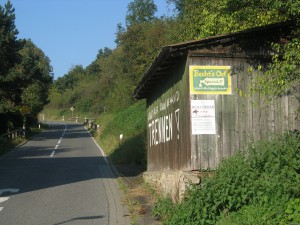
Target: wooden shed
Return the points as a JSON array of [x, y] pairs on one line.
[[196, 114]]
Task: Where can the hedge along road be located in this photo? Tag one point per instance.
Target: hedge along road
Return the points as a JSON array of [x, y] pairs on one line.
[[59, 177]]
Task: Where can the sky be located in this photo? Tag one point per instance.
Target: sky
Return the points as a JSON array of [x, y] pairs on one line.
[[71, 32]]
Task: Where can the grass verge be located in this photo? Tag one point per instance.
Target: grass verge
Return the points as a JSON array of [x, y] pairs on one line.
[[131, 124]]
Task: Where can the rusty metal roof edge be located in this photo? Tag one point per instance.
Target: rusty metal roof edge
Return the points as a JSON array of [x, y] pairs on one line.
[[166, 50]]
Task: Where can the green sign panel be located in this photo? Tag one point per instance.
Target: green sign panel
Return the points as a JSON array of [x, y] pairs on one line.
[[210, 80]]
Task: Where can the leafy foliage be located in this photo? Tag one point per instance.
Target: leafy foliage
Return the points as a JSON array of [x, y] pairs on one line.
[[9, 44], [140, 11], [283, 75], [70, 80], [200, 18], [261, 188], [292, 212]]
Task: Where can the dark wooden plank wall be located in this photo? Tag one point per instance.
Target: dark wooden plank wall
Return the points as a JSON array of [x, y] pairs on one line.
[[239, 119], [174, 154]]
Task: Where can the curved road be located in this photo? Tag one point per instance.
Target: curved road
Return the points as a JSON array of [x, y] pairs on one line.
[[59, 177]]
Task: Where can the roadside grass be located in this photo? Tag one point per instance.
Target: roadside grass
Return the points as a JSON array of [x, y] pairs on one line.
[[131, 124]]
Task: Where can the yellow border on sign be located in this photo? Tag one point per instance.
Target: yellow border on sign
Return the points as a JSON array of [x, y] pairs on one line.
[[192, 91]]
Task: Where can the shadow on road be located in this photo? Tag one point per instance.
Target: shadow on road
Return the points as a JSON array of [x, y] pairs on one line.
[[30, 167], [81, 218]]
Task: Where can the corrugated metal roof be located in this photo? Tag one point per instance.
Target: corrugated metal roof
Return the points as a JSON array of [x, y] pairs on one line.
[[168, 53]]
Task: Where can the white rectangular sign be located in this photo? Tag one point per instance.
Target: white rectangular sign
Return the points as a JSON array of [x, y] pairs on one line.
[[203, 117]]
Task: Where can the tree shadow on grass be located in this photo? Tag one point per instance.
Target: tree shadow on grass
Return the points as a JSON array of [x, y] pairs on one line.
[[130, 158]]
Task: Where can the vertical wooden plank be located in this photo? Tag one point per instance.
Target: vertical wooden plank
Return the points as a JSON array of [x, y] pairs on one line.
[[286, 118], [228, 112], [219, 128], [290, 113], [278, 115], [240, 107], [185, 118], [215, 151], [295, 111], [234, 79], [271, 120]]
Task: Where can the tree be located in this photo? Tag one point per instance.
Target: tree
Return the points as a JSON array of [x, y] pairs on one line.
[[33, 98], [94, 68], [285, 9], [140, 11], [120, 31], [25, 72], [200, 19], [33, 69], [70, 80], [283, 74], [9, 55], [179, 5], [31, 79], [9, 44]]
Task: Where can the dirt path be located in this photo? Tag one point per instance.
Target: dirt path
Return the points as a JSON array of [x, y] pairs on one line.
[[139, 195]]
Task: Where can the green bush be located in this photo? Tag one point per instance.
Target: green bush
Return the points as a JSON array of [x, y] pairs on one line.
[[252, 214], [163, 208], [260, 188], [292, 212]]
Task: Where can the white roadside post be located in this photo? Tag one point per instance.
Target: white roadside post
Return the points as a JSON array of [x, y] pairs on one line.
[[72, 109]]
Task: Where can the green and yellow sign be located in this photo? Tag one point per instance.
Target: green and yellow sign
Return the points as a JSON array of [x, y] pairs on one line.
[[210, 80]]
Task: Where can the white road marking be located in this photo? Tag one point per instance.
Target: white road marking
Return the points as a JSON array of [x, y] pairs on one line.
[[3, 199], [100, 149], [52, 154], [59, 141], [64, 132]]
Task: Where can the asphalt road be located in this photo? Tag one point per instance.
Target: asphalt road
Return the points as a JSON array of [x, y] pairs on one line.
[[59, 177]]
